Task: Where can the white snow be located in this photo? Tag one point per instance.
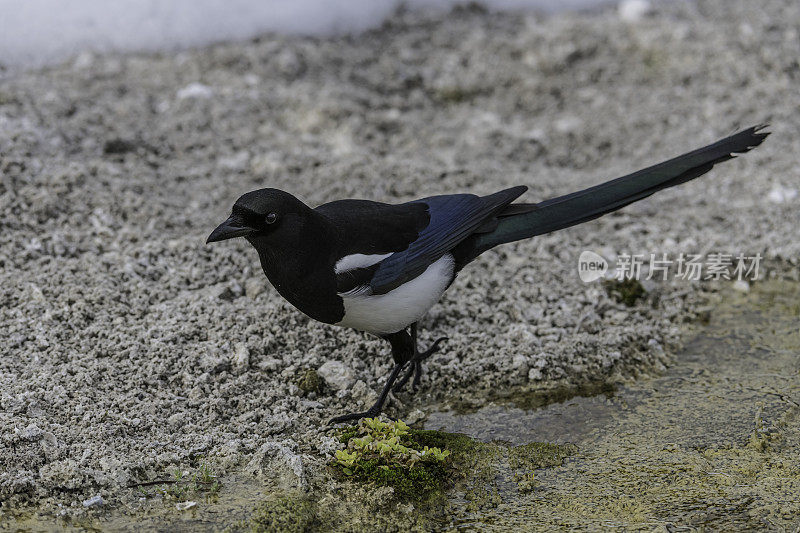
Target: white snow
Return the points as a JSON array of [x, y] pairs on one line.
[[37, 32]]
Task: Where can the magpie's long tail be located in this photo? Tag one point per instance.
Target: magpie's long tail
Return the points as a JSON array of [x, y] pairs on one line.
[[521, 221]]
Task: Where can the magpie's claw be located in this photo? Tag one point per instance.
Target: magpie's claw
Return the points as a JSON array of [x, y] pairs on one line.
[[370, 413], [415, 367], [377, 407], [434, 347]]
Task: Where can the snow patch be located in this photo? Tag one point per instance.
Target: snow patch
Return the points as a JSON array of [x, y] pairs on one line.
[[37, 32]]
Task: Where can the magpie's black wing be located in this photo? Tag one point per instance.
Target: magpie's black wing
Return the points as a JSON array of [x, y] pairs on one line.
[[452, 218]]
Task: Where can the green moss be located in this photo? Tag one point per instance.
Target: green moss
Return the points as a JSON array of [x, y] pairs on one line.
[[310, 381], [453, 460], [540, 455], [287, 513], [347, 433], [464, 449], [627, 291], [529, 400], [390, 454], [525, 459], [415, 483]]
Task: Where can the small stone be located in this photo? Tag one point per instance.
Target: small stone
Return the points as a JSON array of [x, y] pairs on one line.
[[655, 346], [241, 357], [32, 432], [328, 445], [183, 506], [195, 90], [176, 419], [741, 286], [213, 363], [534, 374], [49, 445], [94, 501], [268, 365], [361, 393], [520, 364], [414, 416], [253, 287], [35, 293], [337, 375], [310, 381]]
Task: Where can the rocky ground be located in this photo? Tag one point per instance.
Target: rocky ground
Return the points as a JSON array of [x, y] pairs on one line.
[[130, 348]]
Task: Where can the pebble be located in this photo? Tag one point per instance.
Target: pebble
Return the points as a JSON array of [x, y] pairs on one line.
[[520, 365], [741, 285], [94, 501], [183, 506], [362, 393], [194, 90], [32, 432], [415, 416], [254, 286], [241, 357], [336, 375]]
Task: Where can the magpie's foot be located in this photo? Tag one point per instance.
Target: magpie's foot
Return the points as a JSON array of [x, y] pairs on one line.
[[370, 413], [415, 367], [377, 407]]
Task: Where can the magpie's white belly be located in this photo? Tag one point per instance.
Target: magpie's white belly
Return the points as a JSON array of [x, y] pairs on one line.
[[393, 311]]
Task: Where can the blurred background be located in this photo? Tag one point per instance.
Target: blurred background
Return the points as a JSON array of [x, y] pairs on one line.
[[35, 32]]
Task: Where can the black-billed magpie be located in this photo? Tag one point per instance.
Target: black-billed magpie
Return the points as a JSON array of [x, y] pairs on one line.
[[379, 267]]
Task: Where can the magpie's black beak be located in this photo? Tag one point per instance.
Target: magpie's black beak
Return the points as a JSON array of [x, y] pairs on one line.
[[230, 229]]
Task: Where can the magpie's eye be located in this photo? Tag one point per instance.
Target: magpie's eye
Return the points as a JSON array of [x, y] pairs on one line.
[[271, 218]]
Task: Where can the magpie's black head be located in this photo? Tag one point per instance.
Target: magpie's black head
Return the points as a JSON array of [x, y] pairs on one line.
[[259, 214]]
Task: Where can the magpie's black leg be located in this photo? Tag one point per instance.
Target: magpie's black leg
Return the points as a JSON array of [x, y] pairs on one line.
[[415, 368], [376, 408], [402, 352]]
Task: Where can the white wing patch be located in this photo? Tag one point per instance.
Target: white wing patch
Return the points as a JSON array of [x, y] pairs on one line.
[[393, 311], [350, 262]]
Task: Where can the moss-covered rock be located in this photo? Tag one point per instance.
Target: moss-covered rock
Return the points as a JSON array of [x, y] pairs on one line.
[[391, 454], [626, 291], [289, 513], [525, 459], [420, 465], [310, 381]]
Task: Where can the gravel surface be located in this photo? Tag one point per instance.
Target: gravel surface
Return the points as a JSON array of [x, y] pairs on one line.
[[131, 348]]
